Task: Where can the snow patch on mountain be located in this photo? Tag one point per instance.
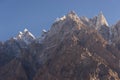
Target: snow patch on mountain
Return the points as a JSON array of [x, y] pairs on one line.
[[25, 36], [60, 19]]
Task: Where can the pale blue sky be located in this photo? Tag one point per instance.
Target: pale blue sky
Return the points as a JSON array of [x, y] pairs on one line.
[[15, 15]]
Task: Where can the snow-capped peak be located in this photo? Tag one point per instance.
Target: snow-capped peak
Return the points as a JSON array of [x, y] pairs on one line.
[[25, 30], [20, 33], [25, 36]]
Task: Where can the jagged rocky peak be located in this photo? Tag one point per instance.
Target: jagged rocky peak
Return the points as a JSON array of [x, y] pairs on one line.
[[25, 36], [65, 24], [72, 15], [100, 24], [99, 21], [69, 50]]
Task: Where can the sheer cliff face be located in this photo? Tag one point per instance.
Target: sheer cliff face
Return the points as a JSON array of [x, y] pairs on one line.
[[73, 49]]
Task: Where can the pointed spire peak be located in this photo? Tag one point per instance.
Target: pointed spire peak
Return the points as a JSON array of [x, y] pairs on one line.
[[101, 20], [72, 15], [101, 14]]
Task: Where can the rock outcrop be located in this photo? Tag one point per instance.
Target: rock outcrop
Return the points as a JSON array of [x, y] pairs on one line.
[[75, 48]]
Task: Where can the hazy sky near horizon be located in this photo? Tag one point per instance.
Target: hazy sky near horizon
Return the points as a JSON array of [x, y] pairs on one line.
[[35, 15]]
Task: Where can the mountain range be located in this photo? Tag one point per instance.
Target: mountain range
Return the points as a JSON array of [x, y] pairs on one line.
[[74, 48]]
